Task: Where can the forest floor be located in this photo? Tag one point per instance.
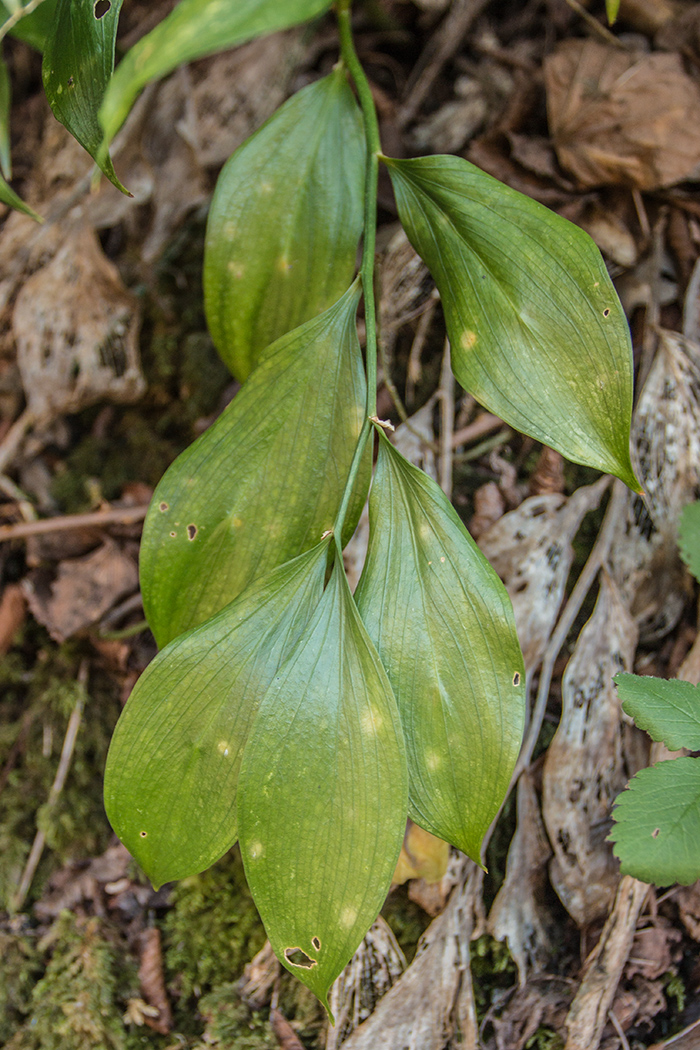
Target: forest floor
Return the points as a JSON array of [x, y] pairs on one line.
[[107, 373]]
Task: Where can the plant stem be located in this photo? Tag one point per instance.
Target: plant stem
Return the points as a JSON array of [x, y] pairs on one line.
[[371, 126]]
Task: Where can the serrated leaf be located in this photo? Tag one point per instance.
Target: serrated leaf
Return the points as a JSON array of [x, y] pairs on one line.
[[35, 27], [9, 197], [612, 8], [657, 823], [443, 625], [194, 29], [689, 537], [173, 764], [285, 222], [322, 794], [538, 334], [666, 710], [76, 69], [264, 482]]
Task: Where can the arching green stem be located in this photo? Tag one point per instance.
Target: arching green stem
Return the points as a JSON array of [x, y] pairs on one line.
[[371, 125]]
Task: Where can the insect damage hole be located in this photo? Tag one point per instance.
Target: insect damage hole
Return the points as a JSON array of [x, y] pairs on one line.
[[655, 833], [143, 834], [316, 943], [162, 507], [191, 532], [101, 8], [606, 312], [516, 678], [296, 957]]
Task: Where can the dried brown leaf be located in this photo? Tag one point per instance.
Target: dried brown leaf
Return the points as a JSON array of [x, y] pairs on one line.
[[518, 914], [434, 997], [531, 550], [83, 591], [13, 606], [584, 769], [76, 329], [423, 856], [644, 560], [618, 118], [373, 970], [153, 982]]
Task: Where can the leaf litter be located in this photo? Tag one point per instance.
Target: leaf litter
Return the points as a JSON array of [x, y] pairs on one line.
[[619, 148]]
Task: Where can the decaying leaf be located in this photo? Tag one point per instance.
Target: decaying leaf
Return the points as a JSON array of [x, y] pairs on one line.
[[644, 559], [371, 973], [83, 591], [434, 998], [76, 328], [622, 118], [517, 914], [423, 856], [584, 769], [531, 550]]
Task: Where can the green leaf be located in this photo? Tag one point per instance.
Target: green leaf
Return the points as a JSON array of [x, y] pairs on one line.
[[77, 66], [196, 28], [657, 823], [538, 334], [285, 222], [8, 196], [173, 764], [443, 625], [322, 794], [612, 8], [689, 537], [264, 482], [35, 27], [666, 710], [5, 101]]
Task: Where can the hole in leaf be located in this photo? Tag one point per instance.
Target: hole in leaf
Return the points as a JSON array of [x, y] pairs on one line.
[[163, 507], [143, 834], [516, 678], [173, 535], [296, 957], [71, 81], [316, 943], [191, 532], [606, 312], [102, 7], [655, 833]]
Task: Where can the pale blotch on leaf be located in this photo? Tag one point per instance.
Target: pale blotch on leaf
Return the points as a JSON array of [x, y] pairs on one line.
[[433, 761], [370, 722], [223, 748], [235, 268], [468, 340], [283, 264], [256, 850], [347, 917]]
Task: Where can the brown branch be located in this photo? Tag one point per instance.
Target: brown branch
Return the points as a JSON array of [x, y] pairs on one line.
[[115, 516]]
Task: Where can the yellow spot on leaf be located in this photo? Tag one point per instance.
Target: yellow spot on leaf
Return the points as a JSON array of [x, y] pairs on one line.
[[256, 850], [235, 268], [468, 340], [347, 917]]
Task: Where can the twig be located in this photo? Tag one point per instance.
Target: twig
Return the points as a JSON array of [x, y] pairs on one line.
[[395, 396], [115, 516], [437, 53], [484, 424], [446, 394], [619, 1029], [12, 441], [56, 788], [596, 26], [484, 446]]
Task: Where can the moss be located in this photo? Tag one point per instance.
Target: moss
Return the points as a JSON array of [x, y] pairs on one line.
[[301, 1007], [37, 705], [492, 969], [212, 930], [545, 1039], [230, 1025], [20, 965], [73, 1005]]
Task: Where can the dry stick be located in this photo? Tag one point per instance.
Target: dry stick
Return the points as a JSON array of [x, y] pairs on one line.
[[56, 788], [446, 393], [619, 1029], [596, 26], [588, 1012], [413, 370], [115, 516], [485, 423], [565, 622], [438, 51], [12, 441]]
